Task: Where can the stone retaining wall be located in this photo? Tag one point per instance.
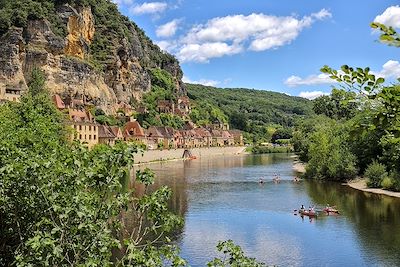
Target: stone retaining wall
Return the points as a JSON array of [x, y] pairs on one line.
[[172, 154]]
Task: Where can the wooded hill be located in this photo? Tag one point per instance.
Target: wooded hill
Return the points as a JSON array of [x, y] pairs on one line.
[[253, 111]]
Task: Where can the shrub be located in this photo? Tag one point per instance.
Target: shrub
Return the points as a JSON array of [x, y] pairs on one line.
[[387, 183], [375, 173]]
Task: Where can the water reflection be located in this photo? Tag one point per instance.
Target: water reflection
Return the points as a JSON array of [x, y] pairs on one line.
[[221, 199], [375, 218]]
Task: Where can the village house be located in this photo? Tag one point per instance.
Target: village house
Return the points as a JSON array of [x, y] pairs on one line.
[[217, 139], [183, 105], [166, 106], [106, 135], [118, 133], [168, 136], [86, 129], [178, 139], [206, 138], [154, 138], [228, 138], [237, 137], [12, 94], [134, 132]]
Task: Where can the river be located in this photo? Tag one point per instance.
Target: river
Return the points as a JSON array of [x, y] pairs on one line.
[[220, 199]]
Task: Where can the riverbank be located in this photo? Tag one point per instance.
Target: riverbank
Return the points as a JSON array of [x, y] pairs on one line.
[[361, 184], [299, 166], [177, 154]]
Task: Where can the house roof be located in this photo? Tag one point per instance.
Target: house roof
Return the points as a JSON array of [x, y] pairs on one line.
[[133, 128], [116, 131], [226, 134], [184, 99], [106, 132], [58, 102], [235, 132], [154, 132], [79, 115], [203, 132], [167, 132]]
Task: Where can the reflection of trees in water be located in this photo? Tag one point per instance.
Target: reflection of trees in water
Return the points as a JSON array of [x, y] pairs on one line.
[[376, 218]]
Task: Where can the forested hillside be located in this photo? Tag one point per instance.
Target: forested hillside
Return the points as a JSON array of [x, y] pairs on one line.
[[253, 111]]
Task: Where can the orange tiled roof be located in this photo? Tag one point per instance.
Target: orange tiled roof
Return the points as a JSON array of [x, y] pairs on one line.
[[133, 128], [58, 102]]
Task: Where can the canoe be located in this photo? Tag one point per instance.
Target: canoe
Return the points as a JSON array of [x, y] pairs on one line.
[[308, 213], [330, 210]]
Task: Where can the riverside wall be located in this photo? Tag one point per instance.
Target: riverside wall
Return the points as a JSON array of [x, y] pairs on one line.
[[175, 154]]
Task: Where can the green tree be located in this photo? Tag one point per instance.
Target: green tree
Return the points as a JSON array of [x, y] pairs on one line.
[[340, 104], [62, 204], [233, 257]]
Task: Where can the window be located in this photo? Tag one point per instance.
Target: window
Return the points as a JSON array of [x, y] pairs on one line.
[[94, 129], [80, 127], [85, 136], [80, 137], [90, 136], [90, 128], [94, 137]]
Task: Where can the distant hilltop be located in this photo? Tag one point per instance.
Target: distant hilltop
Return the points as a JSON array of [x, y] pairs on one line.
[[88, 51]]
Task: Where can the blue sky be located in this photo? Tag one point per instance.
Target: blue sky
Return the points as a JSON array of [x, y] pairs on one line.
[[268, 44]]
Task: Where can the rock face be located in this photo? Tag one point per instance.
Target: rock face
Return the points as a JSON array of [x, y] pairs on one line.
[[67, 61]]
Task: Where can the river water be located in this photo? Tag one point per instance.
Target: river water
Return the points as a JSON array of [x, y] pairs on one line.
[[220, 199]]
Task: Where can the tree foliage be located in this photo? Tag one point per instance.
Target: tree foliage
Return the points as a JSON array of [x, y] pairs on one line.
[[368, 134], [62, 204], [233, 257], [252, 111]]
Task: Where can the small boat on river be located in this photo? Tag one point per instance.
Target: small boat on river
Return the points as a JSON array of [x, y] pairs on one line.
[[331, 210], [309, 213]]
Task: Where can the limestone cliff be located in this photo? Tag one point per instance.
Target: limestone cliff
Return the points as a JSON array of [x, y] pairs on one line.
[[89, 60]]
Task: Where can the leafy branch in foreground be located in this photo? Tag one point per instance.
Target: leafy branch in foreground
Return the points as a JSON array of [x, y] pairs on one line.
[[358, 79], [388, 36], [233, 257]]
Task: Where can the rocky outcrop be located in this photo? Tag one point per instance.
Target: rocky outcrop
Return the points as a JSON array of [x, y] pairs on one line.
[[68, 61]]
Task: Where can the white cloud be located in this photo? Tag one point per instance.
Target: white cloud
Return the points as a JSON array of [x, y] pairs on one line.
[[322, 78], [312, 95], [390, 69], [169, 29], [203, 52], [167, 46], [233, 34], [201, 81], [149, 8], [390, 17]]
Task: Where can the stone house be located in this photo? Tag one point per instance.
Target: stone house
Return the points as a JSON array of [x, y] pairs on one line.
[[86, 129], [165, 106], [183, 106], [117, 132], [134, 132], [228, 138], [154, 138], [237, 137], [179, 139], [206, 138], [106, 135], [12, 94], [217, 139], [168, 136]]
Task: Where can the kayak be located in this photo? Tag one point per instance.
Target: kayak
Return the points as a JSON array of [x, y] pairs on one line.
[[308, 213], [330, 210]]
